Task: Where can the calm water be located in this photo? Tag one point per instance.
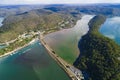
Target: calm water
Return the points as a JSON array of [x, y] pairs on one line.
[[1, 20], [111, 28], [65, 42], [31, 63], [2, 46]]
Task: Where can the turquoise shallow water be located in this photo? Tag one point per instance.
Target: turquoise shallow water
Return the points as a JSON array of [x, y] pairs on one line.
[[111, 29], [31, 63]]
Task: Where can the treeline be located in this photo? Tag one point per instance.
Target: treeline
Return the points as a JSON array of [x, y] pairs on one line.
[[98, 57]]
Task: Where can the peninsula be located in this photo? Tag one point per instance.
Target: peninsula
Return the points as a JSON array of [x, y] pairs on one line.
[[98, 57], [58, 42]]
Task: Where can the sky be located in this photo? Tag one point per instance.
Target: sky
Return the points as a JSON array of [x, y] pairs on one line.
[[57, 1]]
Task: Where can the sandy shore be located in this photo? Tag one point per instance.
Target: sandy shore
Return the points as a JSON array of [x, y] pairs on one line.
[[15, 50]]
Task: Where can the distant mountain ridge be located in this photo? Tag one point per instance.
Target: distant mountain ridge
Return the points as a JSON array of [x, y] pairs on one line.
[[37, 15], [104, 9]]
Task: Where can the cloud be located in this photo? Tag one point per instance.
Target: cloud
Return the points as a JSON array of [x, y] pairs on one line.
[[56, 1]]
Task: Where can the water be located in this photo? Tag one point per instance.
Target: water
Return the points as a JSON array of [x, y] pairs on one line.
[[1, 20], [2, 46], [111, 29], [31, 63], [65, 42]]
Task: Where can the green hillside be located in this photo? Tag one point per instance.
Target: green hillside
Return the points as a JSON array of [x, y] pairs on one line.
[[98, 54], [39, 19]]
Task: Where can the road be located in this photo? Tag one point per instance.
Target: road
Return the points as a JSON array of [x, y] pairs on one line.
[[67, 67]]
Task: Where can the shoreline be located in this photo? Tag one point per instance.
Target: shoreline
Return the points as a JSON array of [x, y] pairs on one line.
[[63, 64], [15, 50], [55, 56], [69, 36], [8, 53]]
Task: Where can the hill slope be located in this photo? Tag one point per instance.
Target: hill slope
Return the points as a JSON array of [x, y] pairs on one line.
[[39, 19], [98, 54]]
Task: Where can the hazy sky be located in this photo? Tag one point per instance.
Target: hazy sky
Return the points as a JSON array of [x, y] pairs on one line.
[[56, 1]]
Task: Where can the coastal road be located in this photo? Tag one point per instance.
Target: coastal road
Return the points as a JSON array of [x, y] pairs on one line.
[[60, 61]]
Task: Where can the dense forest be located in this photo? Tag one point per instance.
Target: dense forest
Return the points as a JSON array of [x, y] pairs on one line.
[[98, 57]]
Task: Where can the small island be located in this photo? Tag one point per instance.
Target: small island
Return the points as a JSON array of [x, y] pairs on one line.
[[99, 55]]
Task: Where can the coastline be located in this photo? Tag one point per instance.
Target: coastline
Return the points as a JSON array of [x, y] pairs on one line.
[[73, 74], [63, 64], [15, 50], [59, 40], [59, 61], [81, 30]]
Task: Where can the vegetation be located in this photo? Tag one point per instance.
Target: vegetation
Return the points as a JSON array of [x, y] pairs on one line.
[[39, 19], [49, 18], [98, 54], [18, 43]]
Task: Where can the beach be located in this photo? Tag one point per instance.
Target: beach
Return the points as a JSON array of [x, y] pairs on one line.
[[15, 50]]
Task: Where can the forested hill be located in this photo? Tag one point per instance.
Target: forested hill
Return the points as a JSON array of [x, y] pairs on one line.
[[38, 19], [98, 54]]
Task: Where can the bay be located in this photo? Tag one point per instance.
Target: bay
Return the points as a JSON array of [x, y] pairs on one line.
[[111, 29], [31, 63]]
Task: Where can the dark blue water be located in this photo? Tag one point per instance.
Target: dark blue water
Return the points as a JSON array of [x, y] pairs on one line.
[[31, 63], [111, 29]]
